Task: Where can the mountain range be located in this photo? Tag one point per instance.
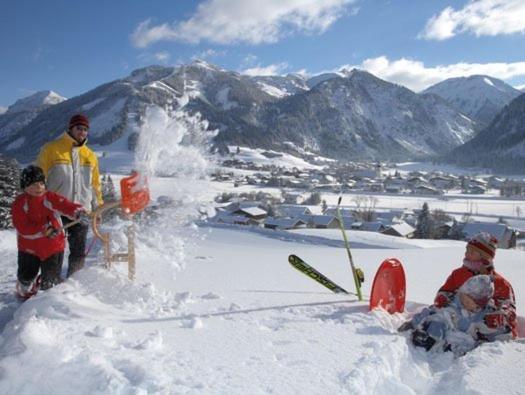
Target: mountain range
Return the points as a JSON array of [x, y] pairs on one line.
[[500, 146], [479, 97], [345, 115]]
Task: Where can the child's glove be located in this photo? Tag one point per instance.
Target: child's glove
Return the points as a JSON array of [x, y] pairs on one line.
[[441, 301], [50, 232], [495, 320]]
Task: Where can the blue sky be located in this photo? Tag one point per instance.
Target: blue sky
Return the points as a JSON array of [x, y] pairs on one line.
[[72, 46]]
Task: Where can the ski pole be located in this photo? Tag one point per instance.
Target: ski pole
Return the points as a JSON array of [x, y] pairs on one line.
[[357, 279]]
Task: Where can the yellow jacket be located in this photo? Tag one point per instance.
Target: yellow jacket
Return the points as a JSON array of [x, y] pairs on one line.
[[72, 171]]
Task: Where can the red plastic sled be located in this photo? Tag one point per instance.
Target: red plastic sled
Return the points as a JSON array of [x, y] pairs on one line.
[[389, 287]]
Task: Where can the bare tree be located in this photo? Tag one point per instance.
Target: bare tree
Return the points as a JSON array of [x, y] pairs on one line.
[[365, 207]]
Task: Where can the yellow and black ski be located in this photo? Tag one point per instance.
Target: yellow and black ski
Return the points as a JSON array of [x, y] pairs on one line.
[[305, 268]]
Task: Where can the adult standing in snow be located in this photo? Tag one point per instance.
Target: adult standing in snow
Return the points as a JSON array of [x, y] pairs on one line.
[[479, 259], [71, 169]]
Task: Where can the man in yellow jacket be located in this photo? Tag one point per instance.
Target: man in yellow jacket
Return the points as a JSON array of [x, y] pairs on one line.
[[71, 170]]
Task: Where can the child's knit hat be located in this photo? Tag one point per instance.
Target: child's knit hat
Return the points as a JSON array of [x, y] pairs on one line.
[[485, 244], [30, 175]]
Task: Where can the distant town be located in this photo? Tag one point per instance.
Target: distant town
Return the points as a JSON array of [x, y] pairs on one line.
[[301, 204]]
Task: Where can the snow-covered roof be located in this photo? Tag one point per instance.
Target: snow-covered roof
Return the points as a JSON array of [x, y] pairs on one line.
[[234, 206], [402, 229], [252, 211], [372, 226], [283, 223], [293, 210], [497, 230], [321, 220]]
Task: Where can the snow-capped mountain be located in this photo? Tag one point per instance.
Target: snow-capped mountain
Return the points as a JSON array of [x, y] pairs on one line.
[[317, 79], [500, 146], [36, 100], [23, 111], [480, 97], [360, 116], [352, 115], [281, 86]]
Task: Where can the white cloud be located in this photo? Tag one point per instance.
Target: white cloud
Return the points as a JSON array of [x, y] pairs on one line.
[[520, 87], [416, 76], [249, 61], [481, 17], [209, 53], [162, 56], [2, 110], [273, 69], [241, 21]]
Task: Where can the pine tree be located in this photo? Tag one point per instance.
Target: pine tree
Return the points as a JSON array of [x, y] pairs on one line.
[[313, 200], [456, 231], [9, 189], [108, 189], [425, 224]]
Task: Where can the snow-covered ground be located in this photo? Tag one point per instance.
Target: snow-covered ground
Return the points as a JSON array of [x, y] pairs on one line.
[[218, 310]]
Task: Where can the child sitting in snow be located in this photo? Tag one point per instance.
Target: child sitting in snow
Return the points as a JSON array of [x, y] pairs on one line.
[[460, 326], [479, 259], [40, 237]]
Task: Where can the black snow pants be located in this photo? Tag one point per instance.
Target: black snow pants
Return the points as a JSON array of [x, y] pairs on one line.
[[76, 238], [29, 265]]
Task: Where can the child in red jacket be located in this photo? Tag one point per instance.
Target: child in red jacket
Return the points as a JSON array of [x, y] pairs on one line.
[[40, 237], [479, 259]]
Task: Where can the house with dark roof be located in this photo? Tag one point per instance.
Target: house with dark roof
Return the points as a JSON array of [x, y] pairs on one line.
[[284, 223], [321, 221], [293, 211], [369, 226], [506, 236]]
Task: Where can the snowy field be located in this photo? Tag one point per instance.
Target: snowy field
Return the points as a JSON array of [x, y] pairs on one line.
[[218, 310]]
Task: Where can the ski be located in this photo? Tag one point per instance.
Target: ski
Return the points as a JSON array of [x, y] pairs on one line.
[[311, 272]]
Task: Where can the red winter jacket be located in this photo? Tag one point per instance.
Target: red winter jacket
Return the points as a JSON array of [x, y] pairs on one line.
[[504, 298], [32, 215]]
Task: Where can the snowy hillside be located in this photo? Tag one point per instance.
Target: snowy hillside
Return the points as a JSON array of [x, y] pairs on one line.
[[501, 145], [480, 97], [218, 310]]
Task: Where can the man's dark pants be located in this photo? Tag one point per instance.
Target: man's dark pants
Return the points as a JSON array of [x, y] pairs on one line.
[[76, 238]]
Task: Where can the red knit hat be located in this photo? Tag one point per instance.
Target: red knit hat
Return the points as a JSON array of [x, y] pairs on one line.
[[78, 119], [485, 244]]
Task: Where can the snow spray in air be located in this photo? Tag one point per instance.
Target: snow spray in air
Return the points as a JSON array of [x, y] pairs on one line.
[[173, 145], [172, 149]]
